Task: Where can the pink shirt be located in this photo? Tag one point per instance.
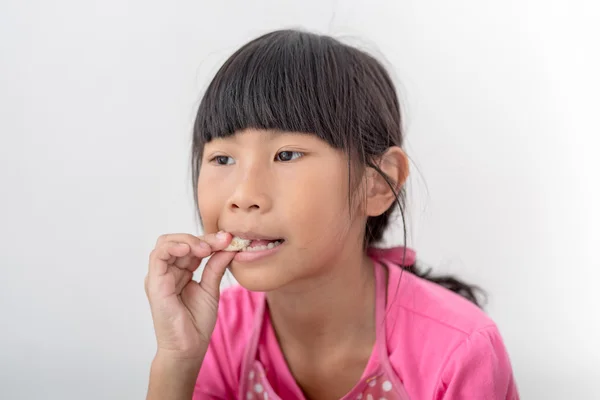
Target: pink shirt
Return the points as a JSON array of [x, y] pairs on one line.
[[430, 344]]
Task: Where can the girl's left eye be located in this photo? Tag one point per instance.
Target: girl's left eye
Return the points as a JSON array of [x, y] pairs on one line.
[[285, 156], [223, 160]]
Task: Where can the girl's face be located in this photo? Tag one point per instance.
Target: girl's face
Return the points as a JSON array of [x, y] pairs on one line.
[[280, 186]]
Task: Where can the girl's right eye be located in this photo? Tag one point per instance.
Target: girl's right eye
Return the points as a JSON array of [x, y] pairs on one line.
[[222, 160]]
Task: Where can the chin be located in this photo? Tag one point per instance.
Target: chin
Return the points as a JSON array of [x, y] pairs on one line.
[[259, 278]]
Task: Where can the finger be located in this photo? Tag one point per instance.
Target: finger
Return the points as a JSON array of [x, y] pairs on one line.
[[217, 241], [213, 272], [202, 246], [164, 255], [189, 262], [182, 277]]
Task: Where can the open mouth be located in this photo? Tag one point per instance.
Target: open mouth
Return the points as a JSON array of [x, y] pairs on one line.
[[240, 244], [260, 245]]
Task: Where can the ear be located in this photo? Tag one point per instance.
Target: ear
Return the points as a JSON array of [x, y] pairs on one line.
[[379, 195]]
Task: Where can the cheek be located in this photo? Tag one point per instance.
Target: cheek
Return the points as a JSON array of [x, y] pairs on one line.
[[209, 202], [317, 201]]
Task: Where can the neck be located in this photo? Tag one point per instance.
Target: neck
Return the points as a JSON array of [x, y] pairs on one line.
[[334, 309]]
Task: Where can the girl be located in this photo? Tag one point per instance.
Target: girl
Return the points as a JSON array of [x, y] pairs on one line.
[[297, 154]]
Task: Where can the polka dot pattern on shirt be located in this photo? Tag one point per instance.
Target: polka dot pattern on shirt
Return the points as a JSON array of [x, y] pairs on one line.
[[375, 388], [386, 386]]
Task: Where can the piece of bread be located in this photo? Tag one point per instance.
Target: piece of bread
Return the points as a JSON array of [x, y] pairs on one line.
[[237, 244]]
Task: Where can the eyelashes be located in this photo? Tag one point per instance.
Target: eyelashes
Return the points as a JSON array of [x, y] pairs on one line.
[[286, 156], [222, 160], [282, 156]]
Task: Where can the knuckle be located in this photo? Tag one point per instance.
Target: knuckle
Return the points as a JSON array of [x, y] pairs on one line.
[[152, 255], [191, 239], [162, 239]]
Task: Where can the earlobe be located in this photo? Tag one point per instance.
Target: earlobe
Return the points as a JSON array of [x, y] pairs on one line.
[[380, 196]]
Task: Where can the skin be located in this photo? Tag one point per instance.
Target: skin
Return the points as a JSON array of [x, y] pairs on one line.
[[319, 284]]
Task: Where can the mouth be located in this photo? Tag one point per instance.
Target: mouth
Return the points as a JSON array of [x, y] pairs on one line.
[[248, 242], [261, 244], [258, 250]]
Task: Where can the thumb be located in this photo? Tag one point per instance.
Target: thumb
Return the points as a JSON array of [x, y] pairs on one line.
[[213, 272]]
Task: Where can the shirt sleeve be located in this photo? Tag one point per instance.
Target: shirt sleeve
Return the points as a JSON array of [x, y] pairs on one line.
[[478, 369]]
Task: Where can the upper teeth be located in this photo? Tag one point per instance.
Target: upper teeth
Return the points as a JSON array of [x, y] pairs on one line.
[[259, 248]]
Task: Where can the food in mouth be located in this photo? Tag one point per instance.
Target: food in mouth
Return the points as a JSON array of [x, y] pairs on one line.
[[239, 244]]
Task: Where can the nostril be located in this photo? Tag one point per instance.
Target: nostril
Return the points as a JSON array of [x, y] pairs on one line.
[[250, 206], [253, 206]]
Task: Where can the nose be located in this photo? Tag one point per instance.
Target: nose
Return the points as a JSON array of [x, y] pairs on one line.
[[251, 193]]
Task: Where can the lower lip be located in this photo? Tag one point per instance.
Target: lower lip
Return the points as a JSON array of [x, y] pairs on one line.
[[249, 256]]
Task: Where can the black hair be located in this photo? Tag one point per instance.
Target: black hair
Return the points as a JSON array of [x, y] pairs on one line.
[[296, 81]]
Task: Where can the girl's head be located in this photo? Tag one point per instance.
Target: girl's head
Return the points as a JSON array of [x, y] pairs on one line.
[[298, 137]]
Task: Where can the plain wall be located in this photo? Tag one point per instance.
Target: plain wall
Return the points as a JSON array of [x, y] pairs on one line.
[[97, 99]]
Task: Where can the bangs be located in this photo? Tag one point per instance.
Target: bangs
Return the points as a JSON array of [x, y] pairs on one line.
[[288, 81]]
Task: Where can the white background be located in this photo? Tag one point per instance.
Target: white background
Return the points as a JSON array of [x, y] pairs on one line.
[[97, 100]]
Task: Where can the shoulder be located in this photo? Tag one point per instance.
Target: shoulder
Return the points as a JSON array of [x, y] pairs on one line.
[[221, 368], [436, 306], [448, 336]]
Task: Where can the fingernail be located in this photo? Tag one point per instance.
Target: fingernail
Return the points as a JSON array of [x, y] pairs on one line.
[[222, 235], [204, 245]]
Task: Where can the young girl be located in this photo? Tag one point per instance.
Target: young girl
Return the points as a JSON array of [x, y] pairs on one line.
[[297, 154]]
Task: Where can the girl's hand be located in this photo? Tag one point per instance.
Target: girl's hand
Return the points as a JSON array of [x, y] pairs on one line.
[[184, 311]]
